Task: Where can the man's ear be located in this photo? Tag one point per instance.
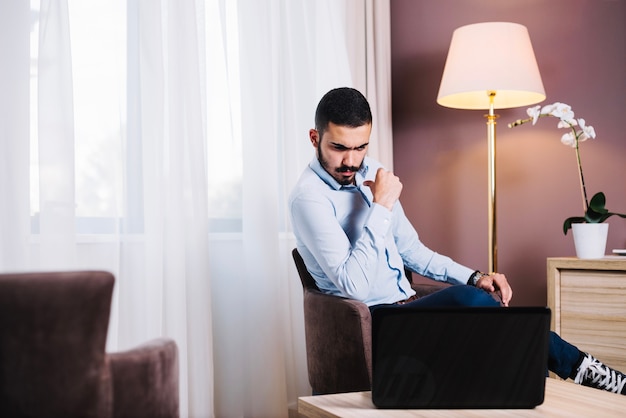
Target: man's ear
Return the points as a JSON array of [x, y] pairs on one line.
[[314, 137]]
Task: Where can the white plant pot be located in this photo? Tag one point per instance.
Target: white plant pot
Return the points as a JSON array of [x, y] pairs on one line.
[[590, 239]]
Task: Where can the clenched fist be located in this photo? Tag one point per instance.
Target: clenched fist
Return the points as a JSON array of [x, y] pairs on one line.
[[386, 188]]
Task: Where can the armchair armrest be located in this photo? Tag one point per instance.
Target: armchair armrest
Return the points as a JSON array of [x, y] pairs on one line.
[[145, 380], [338, 339]]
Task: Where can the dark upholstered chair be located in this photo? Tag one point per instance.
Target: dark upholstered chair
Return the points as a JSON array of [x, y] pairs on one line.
[[53, 330], [338, 335]]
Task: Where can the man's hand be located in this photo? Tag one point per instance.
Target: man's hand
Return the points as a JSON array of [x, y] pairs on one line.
[[496, 281], [386, 188]]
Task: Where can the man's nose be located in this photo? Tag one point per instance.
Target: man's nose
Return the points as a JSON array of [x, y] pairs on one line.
[[350, 158]]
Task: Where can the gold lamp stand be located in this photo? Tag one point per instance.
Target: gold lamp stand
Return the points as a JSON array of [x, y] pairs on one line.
[[491, 64], [491, 183]]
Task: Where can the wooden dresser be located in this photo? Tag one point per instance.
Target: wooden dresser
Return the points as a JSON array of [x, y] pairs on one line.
[[588, 303]]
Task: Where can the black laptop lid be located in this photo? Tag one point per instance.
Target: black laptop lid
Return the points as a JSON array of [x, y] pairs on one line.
[[459, 357]]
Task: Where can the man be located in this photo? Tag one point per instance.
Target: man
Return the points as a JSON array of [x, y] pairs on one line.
[[355, 238]]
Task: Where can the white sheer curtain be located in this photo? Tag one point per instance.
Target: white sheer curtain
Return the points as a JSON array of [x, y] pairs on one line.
[[165, 137]]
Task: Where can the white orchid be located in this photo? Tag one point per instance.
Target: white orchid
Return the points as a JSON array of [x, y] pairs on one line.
[[562, 111], [594, 210], [564, 124], [569, 139], [565, 114], [534, 113], [574, 137], [587, 131]]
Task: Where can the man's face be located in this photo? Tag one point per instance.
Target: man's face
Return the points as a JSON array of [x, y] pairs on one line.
[[341, 150]]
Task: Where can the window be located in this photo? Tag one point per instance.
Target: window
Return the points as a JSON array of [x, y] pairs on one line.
[[105, 86]]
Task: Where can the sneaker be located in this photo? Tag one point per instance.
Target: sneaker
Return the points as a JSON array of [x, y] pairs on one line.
[[593, 373]]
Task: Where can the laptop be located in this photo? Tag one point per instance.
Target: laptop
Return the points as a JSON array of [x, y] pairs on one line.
[[459, 357]]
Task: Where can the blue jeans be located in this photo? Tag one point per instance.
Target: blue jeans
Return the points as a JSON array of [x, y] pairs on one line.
[[563, 357]]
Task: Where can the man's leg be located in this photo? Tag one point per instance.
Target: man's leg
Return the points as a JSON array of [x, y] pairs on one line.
[[564, 359], [567, 361], [460, 295]]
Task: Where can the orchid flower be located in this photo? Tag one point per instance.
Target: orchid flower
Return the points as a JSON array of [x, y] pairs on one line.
[[594, 210], [587, 131], [534, 113]]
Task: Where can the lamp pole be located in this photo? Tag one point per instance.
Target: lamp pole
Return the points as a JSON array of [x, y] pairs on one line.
[[491, 138]]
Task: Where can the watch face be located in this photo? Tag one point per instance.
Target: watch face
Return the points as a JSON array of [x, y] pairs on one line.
[[477, 276], [474, 279]]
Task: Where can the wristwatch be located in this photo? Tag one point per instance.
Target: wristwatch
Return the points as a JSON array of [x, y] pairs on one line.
[[475, 277]]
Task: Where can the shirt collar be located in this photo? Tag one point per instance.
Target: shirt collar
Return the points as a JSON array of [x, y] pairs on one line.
[[334, 184]]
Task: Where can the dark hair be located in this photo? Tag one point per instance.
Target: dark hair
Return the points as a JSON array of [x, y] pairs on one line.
[[342, 106]]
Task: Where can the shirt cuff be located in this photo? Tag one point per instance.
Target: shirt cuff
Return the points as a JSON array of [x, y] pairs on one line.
[[460, 273]]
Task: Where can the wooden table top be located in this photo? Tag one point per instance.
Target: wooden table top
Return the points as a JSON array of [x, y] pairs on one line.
[[562, 399]]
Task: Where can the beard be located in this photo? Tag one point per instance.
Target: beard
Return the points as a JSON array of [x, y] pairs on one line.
[[336, 172]]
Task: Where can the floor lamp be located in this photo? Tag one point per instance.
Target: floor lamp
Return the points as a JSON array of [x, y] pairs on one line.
[[491, 65]]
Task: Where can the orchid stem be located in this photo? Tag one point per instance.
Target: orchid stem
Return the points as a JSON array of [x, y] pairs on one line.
[[583, 190]]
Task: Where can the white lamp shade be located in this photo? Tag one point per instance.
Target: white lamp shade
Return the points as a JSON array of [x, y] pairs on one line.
[[490, 57]]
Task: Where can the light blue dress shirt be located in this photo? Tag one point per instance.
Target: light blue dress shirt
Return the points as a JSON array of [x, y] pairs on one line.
[[356, 248]]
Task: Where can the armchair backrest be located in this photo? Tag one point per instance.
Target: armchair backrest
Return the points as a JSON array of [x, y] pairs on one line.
[[308, 282], [53, 329], [338, 338]]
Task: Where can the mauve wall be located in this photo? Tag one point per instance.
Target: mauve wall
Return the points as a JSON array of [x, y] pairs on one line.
[[440, 154]]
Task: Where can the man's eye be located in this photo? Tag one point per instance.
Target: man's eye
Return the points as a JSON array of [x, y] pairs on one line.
[[342, 148]]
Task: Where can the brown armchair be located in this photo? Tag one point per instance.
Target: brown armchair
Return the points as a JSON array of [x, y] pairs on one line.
[[338, 335], [53, 330]]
